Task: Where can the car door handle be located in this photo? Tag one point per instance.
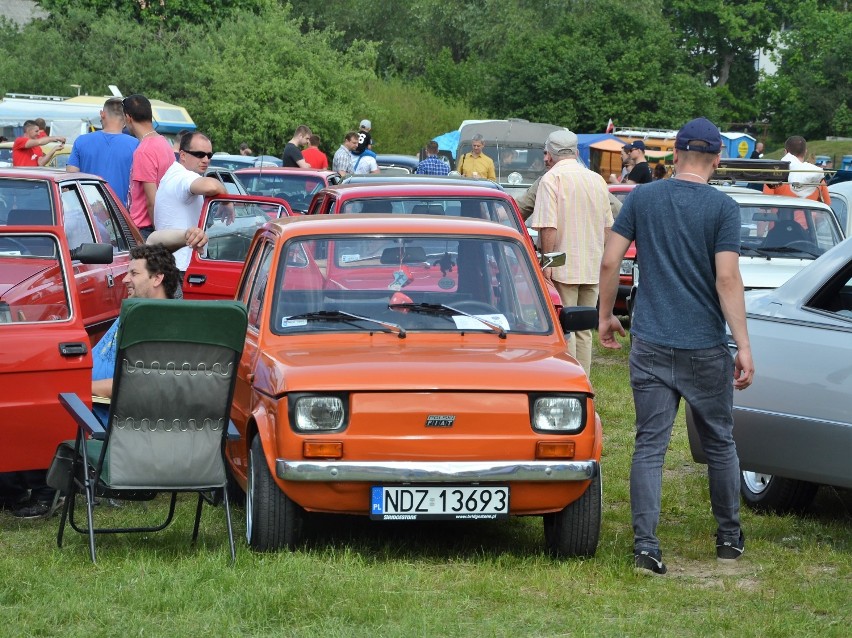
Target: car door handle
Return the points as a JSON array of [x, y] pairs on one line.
[[72, 349], [196, 279]]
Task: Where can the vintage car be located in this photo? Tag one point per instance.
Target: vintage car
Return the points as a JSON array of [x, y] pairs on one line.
[[410, 368], [793, 426], [84, 209], [230, 222], [236, 162], [841, 204], [414, 178], [391, 165], [625, 274], [45, 346], [296, 186]]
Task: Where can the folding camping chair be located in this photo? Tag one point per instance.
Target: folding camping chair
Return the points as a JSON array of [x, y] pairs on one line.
[[168, 420]]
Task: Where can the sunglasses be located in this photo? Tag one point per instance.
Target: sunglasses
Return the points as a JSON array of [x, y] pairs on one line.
[[200, 154]]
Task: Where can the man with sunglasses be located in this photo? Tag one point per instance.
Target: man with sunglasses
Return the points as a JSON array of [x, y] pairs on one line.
[[151, 159], [183, 189]]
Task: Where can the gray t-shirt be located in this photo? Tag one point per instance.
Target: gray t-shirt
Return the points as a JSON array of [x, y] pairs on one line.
[[678, 227]]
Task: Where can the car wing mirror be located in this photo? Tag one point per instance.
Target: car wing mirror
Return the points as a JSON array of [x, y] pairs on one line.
[[552, 260], [578, 318], [93, 253]]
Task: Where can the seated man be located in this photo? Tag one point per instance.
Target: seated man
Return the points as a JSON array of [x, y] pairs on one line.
[[152, 274]]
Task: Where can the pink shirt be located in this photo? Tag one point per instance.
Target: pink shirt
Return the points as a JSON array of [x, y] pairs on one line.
[[151, 160]]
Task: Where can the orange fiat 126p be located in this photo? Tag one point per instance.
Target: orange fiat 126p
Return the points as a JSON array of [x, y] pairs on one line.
[[410, 368]]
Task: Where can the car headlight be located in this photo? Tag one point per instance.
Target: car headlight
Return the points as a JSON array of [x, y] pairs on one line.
[[558, 414], [318, 413], [626, 267]]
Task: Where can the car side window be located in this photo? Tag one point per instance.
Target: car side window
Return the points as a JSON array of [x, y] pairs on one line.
[[106, 223], [258, 287], [74, 219], [836, 295]]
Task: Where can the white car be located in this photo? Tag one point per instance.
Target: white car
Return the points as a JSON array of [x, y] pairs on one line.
[[841, 202], [779, 236]]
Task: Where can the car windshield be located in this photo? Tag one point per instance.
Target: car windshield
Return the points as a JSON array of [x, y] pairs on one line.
[[297, 189], [404, 284], [230, 227], [800, 231], [529, 162], [33, 284], [25, 201], [491, 209]]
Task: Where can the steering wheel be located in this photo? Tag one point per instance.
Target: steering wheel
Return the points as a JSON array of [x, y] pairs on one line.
[[805, 246], [20, 246], [474, 307]]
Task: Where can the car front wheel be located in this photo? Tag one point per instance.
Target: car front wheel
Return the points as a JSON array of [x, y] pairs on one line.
[[768, 493], [574, 531], [273, 521]]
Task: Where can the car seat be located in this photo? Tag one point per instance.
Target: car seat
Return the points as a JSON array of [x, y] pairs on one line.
[[784, 231]]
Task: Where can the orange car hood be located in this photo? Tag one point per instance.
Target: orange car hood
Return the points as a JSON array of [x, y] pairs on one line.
[[406, 367]]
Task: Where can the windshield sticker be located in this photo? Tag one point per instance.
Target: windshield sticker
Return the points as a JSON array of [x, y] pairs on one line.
[[470, 323], [346, 258], [286, 322]]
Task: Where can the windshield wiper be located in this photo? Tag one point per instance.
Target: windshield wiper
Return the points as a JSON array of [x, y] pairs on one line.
[[348, 317], [756, 251], [790, 249], [445, 310]]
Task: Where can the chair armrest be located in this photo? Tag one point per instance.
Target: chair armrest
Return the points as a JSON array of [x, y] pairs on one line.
[[82, 415], [233, 432]]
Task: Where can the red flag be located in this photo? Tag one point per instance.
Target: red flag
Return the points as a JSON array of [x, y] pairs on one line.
[[610, 127]]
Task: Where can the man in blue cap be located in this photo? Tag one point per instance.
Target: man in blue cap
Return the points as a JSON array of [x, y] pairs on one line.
[[641, 172], [688, 234]]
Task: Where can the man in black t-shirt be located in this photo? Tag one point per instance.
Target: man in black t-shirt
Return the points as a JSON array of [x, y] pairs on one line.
[[641, 172], [364, 138], [292, 156]]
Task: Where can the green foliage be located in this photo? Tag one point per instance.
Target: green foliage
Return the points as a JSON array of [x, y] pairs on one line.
[[166, 13], [812, 90]]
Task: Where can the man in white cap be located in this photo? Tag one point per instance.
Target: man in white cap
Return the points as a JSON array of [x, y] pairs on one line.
[[572, 215], [364, 139]]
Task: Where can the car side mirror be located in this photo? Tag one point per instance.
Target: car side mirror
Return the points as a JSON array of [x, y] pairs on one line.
[[93, 253], [552, 260], [578, 318]]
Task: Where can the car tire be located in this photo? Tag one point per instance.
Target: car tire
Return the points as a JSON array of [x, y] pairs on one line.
[[273, 521], [574, 531], [768, 493]]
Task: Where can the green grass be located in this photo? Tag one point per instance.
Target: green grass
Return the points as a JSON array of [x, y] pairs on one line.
[[356, 578]]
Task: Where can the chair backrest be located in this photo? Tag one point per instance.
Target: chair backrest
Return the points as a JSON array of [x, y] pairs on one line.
[[172, 389]]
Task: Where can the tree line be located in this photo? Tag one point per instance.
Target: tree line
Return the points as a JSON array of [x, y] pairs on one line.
[[252, 70]]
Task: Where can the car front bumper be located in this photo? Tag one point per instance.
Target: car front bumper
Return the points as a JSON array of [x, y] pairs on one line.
[[436, 472]]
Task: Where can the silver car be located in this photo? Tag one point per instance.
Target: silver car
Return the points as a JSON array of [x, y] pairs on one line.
[[793, 426]]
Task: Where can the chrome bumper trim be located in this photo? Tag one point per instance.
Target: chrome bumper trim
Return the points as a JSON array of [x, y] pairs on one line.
[[435, 472]]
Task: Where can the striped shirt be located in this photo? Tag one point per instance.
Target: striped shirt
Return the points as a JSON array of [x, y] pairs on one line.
[[575, 201]]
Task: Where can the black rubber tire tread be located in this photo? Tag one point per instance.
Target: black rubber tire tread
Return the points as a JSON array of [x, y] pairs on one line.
[[574, 532], [277, 520], [781, 496]]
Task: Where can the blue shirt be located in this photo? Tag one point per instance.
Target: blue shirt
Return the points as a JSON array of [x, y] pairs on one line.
[[433, 165], [679, 226], [108, 155], [104, 354]]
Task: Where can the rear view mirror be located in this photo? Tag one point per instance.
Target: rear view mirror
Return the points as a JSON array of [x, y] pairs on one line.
[[93, 253], [578, 318]]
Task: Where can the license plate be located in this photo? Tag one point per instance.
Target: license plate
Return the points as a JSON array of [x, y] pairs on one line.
[[446, 502]]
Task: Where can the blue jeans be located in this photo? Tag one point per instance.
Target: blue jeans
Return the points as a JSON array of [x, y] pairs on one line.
[[660, 376]]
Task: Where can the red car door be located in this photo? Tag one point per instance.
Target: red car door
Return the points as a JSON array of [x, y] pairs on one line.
[[45, 347], [230, 222]]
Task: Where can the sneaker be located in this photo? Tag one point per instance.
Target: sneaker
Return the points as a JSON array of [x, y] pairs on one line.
[[649, 562], [730, 551], [39, 509]]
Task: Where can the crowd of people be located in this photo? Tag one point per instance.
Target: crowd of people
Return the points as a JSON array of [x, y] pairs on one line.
[[692, 286]]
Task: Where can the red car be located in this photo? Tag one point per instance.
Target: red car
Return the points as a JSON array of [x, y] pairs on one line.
[[64, 251], [230, 222], [625, 276], [296, 186]]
